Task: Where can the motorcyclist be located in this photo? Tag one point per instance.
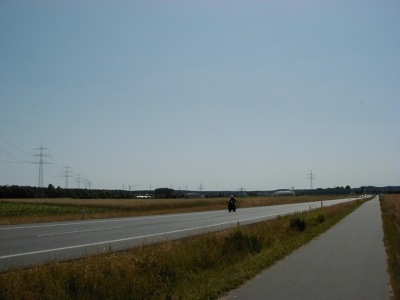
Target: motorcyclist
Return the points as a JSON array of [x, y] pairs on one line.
[[232, 200]]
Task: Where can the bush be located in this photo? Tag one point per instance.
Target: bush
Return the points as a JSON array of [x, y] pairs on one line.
[[239, 241], [321, 218], [298, 222]]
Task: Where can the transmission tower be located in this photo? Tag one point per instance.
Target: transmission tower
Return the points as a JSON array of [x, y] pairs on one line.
[[88, 183], [311, 177], [78, 180], [66, 175], [41, 160], [241, 191], [201, 186]]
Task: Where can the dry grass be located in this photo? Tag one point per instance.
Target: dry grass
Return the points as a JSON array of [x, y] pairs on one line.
[[138, 207], [201, 267], [390, 207]]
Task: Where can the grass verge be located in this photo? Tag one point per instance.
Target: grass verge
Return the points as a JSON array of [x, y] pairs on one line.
[[201, 267], [390, 207]]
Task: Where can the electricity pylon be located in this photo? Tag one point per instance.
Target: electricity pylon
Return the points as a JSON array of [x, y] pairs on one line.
[[87, 182], [241, 191], [42, 160], [78, 180], [311, 177], [201, 186], [67, 174]]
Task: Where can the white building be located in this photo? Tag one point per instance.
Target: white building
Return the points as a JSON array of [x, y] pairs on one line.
[[284, 193], [193, 195]]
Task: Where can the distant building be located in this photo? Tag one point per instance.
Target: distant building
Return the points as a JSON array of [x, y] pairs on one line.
[[193, 195], [284, 193], [258, 193], [144, 196]]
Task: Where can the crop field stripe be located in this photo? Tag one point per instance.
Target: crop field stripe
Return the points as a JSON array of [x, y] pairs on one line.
[[127, 239]]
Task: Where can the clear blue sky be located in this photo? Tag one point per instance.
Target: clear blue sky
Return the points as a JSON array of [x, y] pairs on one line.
[[227, 94]]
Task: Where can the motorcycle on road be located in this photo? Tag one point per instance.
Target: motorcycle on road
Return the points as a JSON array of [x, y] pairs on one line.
[[231, 205]]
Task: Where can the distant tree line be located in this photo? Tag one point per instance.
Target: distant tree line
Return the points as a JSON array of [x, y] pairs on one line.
[[167, 193], [15, 191]]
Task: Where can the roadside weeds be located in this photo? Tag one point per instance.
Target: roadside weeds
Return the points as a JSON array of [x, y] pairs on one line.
[[390, 207]]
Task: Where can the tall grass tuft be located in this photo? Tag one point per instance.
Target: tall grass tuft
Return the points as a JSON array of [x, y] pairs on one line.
[[298, 222], [239, 240]]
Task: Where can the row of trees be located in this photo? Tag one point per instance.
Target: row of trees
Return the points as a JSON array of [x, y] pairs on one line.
[[16, 191]]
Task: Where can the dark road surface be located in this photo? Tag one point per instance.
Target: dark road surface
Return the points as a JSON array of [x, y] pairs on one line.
[[347, 262]]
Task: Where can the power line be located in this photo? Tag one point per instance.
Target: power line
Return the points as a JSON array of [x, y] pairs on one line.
[[12, 156], [42, 160], [133, 185], [50, 172], [15, 147]]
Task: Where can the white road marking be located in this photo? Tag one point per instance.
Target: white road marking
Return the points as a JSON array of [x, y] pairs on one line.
[[80, 231], [184, 220], [86, 222]]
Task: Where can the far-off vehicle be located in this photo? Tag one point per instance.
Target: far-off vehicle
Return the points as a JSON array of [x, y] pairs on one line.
[[231, 205]]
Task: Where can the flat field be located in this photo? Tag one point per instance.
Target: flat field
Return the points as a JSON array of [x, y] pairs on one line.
[[22, 211]]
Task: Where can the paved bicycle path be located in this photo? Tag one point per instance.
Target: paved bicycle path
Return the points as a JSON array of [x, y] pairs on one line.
[[347, 262]]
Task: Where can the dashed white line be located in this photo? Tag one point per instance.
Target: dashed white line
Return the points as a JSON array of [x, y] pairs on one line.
[[79, 231]]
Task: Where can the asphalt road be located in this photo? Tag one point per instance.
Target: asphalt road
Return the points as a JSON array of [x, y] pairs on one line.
[[33, 244], [347, 262]]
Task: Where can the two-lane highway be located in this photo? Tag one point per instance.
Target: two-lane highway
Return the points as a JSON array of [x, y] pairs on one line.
[[33, 244]]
